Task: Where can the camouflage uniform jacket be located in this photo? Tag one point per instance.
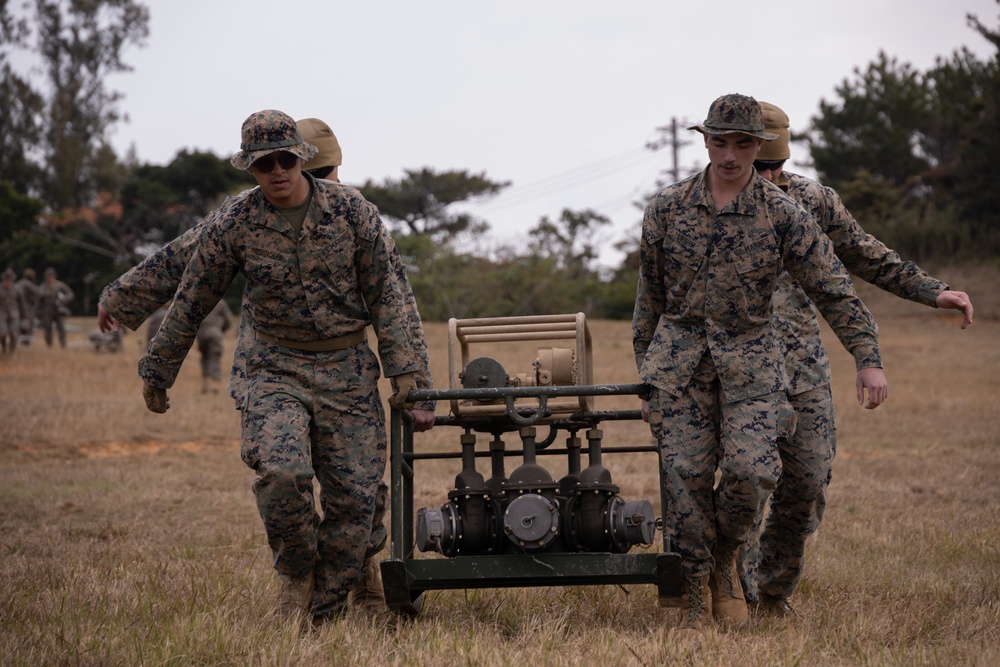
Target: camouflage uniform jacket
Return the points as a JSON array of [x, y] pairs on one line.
[[806, 361], [340, 274], [142, 290], [705, 283], [53, 300], [11, 303], [29, 290]]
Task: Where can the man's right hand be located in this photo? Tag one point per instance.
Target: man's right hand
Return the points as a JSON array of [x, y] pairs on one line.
[[156, 398], [957, 301], [105, 322]]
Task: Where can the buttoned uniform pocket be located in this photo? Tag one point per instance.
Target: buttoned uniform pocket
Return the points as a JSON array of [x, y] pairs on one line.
[[265, 269], [682, 257], [757, 267], [269, 278], [330, 275], [334, 254]]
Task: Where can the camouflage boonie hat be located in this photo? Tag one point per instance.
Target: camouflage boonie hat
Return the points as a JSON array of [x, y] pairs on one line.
[[267, 132], [735, 113], [775, 120], [8, 274], [50, 272], [322, 137]]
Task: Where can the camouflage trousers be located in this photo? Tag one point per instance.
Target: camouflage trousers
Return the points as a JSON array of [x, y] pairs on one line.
[[316, 415], [773, 565], [698, 434], [9, 324], [56, 322]]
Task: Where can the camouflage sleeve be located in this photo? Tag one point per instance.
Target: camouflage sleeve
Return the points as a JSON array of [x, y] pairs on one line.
[[212, 268], [808, 255], [140, 291], [869, 259], [383, 283], [649, 294], [415, 333]]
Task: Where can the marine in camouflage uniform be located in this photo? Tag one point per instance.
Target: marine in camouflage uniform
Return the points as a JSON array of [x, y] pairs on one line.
[[312, 406], [29, 289], [210, 335], [704, 341], [139, 293], [53, 306], [11, 306], [799, 500]]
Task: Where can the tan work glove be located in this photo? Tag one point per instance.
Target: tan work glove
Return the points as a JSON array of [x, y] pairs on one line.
[[404, 383], [156, 398]]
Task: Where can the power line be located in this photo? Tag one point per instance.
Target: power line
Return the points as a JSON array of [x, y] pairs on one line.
[[650, 178], [569, 179]]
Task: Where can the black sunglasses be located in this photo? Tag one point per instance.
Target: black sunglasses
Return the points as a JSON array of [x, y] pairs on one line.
[[266, 163], [765, 165]]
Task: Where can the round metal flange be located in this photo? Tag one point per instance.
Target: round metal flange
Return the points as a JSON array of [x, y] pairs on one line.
[[531, 521], [483, 373]]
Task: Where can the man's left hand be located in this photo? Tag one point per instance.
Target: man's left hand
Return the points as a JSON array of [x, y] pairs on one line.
[[404, 384], [873, 380], [423, 420]]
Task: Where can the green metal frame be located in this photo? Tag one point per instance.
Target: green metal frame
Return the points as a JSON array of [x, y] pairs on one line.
[[406, 578]]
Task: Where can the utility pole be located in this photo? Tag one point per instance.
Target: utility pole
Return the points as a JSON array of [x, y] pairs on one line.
[[669, 138]]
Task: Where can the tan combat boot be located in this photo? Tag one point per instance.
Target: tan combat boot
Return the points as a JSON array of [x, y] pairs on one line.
[[368, 594], [728, 604], [695, 614], [295, 597]]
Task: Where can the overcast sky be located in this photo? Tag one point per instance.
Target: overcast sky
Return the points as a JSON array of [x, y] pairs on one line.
[[558, 97]]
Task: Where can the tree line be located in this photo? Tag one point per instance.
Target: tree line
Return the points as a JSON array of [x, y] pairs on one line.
[[911, 152]]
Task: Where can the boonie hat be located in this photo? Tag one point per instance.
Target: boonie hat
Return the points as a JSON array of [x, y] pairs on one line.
[[734, 113], [50, 272], [267, 132], [319, 134], [8, 274], [775, 120]]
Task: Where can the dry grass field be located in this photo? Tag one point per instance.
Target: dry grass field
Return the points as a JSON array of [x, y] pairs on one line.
[[129, 538]]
